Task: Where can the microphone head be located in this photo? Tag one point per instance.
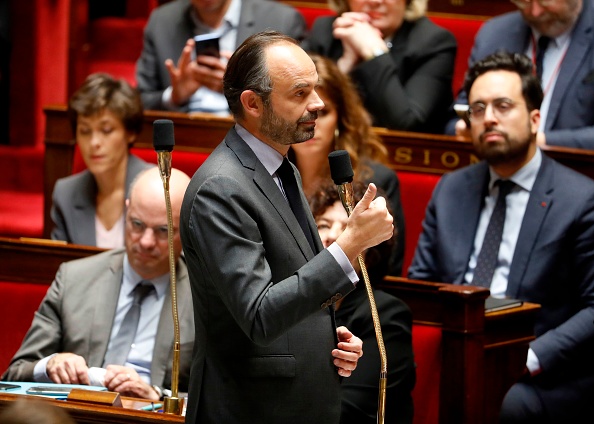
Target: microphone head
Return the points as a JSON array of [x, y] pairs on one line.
[[341, 169], [163, 139]]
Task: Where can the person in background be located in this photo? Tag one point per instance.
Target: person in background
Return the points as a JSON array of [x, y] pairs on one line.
[[88, 207], [76, 334], [401, 63], [522, 225], [360, 391], [567, 110], [344, 124], [195, 84], [267, 347]]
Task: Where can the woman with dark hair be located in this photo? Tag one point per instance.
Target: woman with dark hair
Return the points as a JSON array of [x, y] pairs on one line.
[[88, 207], [401, 62], [344, 124], [360, 391]]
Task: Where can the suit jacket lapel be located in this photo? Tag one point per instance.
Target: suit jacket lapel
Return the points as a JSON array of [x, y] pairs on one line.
[[84, 209], [107, 288], [268, 187], [581, 42], [244, 29], [539, 202], [472, 201]]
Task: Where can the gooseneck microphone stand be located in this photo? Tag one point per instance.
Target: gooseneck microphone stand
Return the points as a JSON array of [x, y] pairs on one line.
[[342, 174], [163, 141]]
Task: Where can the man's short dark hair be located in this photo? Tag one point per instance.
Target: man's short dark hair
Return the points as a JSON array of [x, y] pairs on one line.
[[247, 69], [513, 62]]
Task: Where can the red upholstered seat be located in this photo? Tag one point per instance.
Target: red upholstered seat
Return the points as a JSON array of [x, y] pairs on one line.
[[18, 301], [427, 349], [415, 191]]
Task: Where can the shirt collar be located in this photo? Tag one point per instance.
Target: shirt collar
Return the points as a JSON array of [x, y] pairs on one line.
[[230, 20], [525, 176], [558, 41], [270, 158], [131, 279]]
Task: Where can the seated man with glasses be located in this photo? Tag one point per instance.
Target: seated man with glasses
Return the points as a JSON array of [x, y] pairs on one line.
[[521, 225], [106, 319], [557, 35]]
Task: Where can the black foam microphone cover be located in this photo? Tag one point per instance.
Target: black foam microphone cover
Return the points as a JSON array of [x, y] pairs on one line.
[[163, 138], [341, 169]]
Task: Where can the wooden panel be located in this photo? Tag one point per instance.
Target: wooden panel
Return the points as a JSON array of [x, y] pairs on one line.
[[476, 347]]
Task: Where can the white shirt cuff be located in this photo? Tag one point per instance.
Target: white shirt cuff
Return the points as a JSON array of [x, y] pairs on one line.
[[336, 251], [40, 372], [532, 363]]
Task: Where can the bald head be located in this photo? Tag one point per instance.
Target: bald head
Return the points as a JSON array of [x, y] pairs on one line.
[[147, 244]]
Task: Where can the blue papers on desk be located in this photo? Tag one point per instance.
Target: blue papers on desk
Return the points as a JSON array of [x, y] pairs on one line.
[[24, 386]]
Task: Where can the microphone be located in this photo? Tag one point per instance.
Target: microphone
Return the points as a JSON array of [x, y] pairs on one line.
[[163, 142], [342, 174]]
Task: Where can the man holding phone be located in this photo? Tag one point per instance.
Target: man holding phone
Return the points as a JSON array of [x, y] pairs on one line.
[[195, 82]]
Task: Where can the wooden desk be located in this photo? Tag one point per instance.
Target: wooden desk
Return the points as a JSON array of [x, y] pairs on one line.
[[482, 354], [92, 414]]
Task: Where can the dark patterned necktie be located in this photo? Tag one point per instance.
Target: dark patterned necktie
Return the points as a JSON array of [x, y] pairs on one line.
[[287, 177], [121, 344], [487, 258], [541, 48]]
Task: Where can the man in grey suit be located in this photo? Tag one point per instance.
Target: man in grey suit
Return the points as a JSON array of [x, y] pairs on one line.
[[75, 329], [267, 347], [544, 252], [567, 110], [196, 85]]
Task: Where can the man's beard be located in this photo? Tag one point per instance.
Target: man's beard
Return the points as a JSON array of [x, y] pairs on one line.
[[284, 132], [500, 153]]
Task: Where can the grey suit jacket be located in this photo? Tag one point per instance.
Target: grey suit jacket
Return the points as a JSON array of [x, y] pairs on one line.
[[570, 120], [77, 314], [553, 262], [170, 26], [264, 329], [73, 204]]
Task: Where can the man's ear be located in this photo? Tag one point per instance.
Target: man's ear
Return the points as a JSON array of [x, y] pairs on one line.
[[534, 120], [252, 104]]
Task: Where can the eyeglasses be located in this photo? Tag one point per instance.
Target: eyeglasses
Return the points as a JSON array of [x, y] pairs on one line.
[[522, 4], [138, 227], [501, 108]]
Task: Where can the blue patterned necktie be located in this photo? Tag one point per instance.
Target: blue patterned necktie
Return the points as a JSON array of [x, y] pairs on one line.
[[487, 258]]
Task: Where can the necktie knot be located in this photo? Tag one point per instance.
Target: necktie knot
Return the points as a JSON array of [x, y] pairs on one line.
[[141, 291], [505, 187]]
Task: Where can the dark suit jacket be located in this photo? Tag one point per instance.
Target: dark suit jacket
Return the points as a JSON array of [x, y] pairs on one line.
[[408, 89], [264, 330], [360, 390], [570, 120], [553, 263], [170, 26], [77, 314], [73, 204]]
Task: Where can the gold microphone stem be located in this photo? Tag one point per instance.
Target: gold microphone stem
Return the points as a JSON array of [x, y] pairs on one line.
[[345, 192], [172, 404]]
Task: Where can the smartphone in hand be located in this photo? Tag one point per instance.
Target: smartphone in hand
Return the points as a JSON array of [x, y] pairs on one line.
[[462, 112], [207, 45]]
